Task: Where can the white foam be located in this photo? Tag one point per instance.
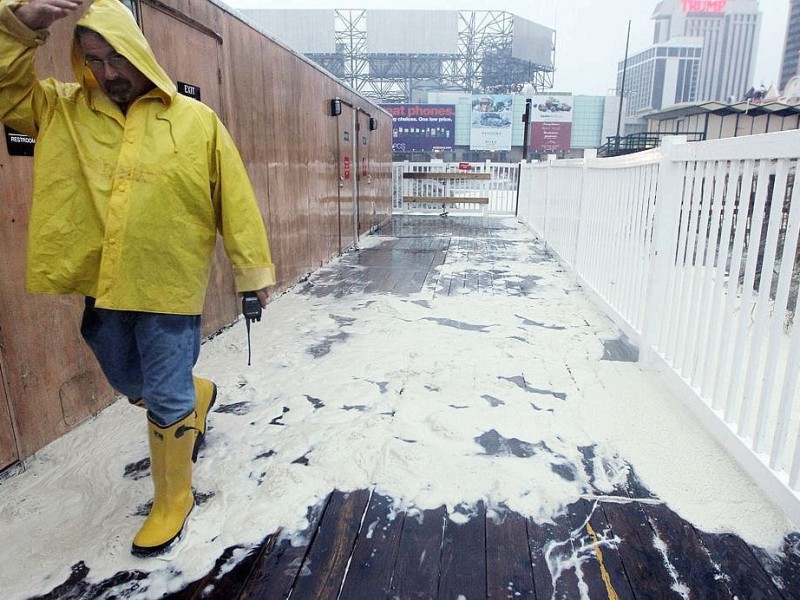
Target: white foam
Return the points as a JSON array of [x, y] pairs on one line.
[[403, 403]]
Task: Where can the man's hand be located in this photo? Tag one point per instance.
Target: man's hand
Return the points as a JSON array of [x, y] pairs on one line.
[[40, 14], [263, 295]]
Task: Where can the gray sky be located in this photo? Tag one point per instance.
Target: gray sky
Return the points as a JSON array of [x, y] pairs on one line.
[[590, 33]]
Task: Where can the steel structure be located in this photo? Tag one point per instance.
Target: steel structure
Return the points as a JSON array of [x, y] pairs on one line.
[[484, 62]]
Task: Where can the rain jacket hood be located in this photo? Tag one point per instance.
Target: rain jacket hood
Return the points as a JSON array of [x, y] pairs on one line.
[[115, 23]]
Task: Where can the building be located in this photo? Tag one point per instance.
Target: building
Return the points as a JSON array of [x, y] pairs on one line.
[[718, 120], [727, 32], [790, 66], [665, 74], [401, 55]]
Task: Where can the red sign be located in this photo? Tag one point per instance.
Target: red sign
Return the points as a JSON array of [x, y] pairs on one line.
[[551, 137], [706, 6], [464, 166], [347, 167]]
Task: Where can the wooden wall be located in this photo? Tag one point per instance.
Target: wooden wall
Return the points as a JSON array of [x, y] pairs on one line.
[[276, 106]]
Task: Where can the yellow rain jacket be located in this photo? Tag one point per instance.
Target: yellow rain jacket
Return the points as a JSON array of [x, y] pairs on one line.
[[126, 206]]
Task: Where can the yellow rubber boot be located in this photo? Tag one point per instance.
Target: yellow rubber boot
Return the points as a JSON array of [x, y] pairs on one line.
[[205, 392], [171, 467]]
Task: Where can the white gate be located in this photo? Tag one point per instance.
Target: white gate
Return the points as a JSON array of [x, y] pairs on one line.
[[463, 188]]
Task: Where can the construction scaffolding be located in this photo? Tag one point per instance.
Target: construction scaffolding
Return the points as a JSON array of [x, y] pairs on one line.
[[487, 59]]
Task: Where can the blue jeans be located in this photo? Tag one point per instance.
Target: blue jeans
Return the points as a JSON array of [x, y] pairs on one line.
[[146, 355]]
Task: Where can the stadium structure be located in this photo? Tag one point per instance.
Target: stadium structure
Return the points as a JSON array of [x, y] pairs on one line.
[[399, 55]]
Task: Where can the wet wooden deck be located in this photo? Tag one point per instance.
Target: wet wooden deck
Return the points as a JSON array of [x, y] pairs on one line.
[[618, 548], [622, 545]]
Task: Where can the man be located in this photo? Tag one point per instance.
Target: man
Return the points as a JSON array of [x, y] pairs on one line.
[[131, 183]]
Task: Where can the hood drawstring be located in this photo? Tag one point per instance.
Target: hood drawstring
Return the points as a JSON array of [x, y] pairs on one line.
[[160, 116]]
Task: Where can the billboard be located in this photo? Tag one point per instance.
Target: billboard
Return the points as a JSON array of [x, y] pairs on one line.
[[491, 122], [412, 31], [532, 42], [422, 127], [551, 123], [307, 31]]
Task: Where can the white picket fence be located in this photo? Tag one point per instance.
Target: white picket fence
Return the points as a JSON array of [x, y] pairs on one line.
[[693, 248], [500, 188]]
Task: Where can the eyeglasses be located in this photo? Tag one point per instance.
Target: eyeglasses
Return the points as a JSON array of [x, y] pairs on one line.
[[115, 61]]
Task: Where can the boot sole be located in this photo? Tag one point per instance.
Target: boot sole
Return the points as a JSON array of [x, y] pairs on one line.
[[201, 437], [151, 551]]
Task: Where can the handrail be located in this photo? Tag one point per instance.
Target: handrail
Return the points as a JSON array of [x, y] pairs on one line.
[[637, 142]]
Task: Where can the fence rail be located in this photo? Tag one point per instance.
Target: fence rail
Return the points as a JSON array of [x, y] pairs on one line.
[[694, 248], [495, 193]]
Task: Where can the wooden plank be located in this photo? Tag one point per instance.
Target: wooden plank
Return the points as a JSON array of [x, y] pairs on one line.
[[783, 566], [463, 567], [509, 573], [8, 441], [411, 282], [575, 551], [446, 199], [416, 572], [224, 582], [370, 572], [613, 579], [543, 540], [745, 577], [644, 565], [443, 176], [686, 554], [471, 280], [382, 280], [277, 566], [324, 567]]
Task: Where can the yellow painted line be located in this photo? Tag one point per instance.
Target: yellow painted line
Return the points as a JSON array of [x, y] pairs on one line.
[[612, 594]]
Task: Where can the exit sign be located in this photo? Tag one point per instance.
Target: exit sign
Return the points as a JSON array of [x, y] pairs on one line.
[[704, 6]]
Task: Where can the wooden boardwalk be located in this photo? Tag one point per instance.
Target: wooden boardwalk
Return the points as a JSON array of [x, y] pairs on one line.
[[358, 550], [619, 545]]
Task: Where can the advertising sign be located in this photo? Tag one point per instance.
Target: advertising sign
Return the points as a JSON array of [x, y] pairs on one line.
[[551, 123], [422, 127], [491, 122]]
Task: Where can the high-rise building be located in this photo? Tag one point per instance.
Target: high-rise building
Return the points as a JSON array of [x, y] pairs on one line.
[[790, 65], [663, 75], [727, 31]]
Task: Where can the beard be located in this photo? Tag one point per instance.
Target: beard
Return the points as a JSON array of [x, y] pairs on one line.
[[119, 90]]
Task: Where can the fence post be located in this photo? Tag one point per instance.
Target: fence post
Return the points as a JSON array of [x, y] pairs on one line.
[[589, 156], [664, 240], [550, 159]]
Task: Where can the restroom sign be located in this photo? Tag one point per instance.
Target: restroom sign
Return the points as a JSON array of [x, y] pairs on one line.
[[347, 167], [19, 144]]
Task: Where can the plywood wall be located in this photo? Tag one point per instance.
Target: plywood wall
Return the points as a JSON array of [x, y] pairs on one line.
[[276, 106]]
